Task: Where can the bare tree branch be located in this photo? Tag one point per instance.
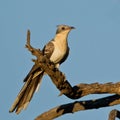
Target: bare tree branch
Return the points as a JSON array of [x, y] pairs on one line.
[[78, 106], [78, 91], [113, 114], [59, 79]]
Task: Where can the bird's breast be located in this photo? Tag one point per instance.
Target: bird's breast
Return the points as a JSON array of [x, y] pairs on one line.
[[59, 52]]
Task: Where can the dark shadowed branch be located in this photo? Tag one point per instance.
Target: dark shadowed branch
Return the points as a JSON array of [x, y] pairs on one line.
[[75, 92]]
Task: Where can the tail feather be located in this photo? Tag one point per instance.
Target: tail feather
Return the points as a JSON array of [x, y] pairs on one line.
[[26, 93]]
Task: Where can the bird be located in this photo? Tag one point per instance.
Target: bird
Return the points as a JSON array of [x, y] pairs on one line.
[[57, 51]]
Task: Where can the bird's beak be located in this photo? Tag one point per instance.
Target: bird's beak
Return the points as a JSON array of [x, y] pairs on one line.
[[72, 27]]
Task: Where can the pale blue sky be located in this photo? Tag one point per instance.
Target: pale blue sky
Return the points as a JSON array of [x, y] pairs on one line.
[[94, 55]]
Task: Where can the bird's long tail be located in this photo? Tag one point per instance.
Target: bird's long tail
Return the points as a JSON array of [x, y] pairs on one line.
[[25, 95]]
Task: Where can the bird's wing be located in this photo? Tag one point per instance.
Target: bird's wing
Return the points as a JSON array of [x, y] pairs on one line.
[[65, 56], [48, 49]]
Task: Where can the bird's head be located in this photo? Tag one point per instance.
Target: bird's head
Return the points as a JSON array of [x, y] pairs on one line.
[[64, 29]]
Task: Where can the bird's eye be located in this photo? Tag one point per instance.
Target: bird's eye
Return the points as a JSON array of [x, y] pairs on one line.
[[63, 28]]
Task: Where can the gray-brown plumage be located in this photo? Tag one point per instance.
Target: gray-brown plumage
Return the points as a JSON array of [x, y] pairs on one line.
[[57, 51]]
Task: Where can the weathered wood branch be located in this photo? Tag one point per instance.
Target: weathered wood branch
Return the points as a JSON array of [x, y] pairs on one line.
[[114, 114], [75, 92], [59, 79], [79, 106]]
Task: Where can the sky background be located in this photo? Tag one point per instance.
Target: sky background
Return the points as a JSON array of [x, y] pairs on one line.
[[94, 50]]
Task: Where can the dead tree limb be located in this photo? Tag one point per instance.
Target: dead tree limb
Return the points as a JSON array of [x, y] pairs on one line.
[[75, 92], [79, 106], [114, 114], [59, 79]]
